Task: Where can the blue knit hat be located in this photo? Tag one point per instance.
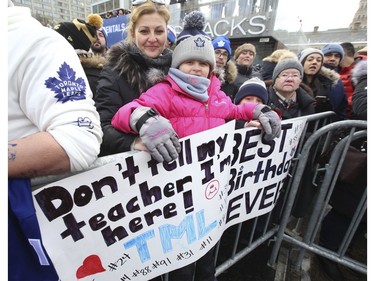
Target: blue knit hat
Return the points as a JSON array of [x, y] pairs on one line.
[[333, 48], [222, 42], [252, 87], [193, 43], [102, 30], [171, 34]]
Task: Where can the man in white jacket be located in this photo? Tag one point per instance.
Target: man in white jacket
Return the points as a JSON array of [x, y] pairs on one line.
[[53, 128]]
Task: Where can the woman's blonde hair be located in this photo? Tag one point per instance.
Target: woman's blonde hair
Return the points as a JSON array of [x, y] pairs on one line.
[[147, 8]]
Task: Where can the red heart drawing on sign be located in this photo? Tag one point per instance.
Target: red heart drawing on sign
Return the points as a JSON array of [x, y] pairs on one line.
[[91, 265]]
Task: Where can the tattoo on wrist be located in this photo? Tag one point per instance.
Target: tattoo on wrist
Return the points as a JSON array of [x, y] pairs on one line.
[[11, 151]]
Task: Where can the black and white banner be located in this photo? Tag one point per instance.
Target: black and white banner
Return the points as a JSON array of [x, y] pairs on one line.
[[135, 219]]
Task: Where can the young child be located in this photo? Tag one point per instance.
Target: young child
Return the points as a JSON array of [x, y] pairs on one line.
[[188, 101], [190, 98], [253, 90]]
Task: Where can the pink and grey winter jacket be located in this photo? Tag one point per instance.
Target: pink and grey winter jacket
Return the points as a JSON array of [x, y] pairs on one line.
[[187, 115]]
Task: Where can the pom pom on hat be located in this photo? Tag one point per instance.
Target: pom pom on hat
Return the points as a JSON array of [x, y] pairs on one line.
[[333, 48], [95, 20], [171, 34], [286, 64], [193, 42], [252, 87], [193, 25], [308, 51], [222, 42], [80, 34]]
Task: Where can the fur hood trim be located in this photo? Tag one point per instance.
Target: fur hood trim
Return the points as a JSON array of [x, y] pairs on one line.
[[138, 72], [228, 74], [359, 70], [330, 74], [93, 61], [231, 71], [155, 76]]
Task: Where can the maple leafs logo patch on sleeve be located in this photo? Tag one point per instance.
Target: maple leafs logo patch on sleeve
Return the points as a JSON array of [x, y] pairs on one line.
[[66, 86]]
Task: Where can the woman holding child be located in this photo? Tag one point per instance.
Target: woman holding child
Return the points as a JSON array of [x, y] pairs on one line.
[[132, 67]]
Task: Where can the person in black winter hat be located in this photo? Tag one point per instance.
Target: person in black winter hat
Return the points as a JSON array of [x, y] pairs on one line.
[[80, 34], [253, 90]]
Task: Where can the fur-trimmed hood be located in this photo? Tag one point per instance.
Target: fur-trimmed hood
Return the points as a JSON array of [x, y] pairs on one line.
[[330, 74], [359, 70], [138, 70], [92, 61], [228, 73]]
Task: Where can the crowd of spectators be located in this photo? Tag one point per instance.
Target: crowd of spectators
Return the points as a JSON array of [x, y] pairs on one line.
[[117, 12]]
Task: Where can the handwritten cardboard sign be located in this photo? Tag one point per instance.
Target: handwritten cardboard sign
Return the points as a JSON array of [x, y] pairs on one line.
[[135, 219]]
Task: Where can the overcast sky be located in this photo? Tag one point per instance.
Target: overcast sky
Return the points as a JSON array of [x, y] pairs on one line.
[[327, 14]]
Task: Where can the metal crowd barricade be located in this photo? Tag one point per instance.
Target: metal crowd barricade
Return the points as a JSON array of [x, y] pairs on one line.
[[306, 241], [247, 236]]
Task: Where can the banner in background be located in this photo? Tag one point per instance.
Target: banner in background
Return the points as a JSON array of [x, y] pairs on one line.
[[115, 27], [135, 219]]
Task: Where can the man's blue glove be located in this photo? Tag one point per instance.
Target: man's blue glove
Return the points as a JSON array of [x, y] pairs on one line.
[[269, 119], [156, 133]]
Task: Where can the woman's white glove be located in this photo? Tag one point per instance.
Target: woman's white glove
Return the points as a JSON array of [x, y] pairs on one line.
[[269, 119], [156, 133]]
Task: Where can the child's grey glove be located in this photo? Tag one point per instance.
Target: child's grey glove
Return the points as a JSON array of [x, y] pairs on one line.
[[269, 119], [156, 133]]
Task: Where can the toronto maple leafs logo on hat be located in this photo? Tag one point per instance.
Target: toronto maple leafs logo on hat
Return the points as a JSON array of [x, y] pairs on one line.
[[222, 42], [191, 42], [67, 87], [199, 42]]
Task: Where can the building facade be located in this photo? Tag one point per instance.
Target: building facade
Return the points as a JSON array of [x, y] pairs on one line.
[[51, 12], [243, 21]]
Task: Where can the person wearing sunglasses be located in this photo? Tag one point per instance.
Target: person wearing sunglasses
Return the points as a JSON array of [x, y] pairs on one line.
[[133, 65]]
